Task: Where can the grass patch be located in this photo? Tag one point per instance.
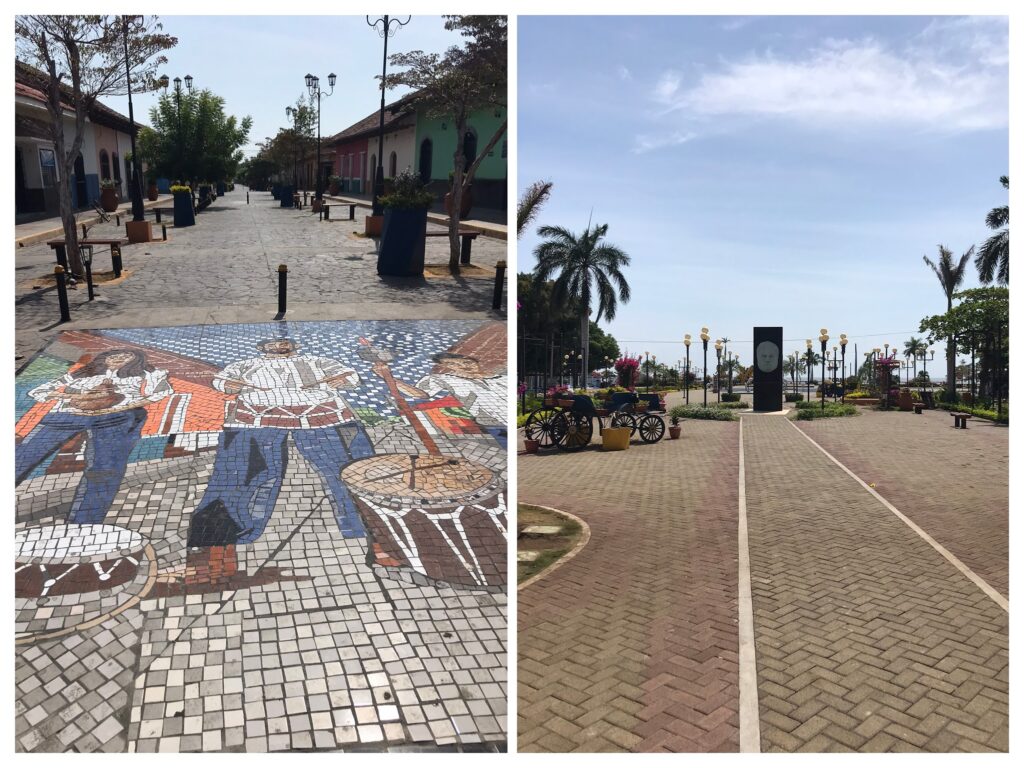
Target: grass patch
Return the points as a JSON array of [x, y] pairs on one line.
[[700, 412], [551, 547]]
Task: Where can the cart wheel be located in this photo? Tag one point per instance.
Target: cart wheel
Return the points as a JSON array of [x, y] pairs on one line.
[[572, 431], [651, 428], [624, 419], [540, 426]]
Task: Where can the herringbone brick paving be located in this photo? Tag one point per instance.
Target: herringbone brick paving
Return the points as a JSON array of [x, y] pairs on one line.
[[949, 481], [867, 639], [632, 645]]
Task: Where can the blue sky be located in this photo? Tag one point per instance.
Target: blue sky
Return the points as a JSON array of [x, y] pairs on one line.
[[768, 170], [259, 63]]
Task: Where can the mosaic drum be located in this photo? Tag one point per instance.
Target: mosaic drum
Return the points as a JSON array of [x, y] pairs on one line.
[[74, 559], [443, 517]]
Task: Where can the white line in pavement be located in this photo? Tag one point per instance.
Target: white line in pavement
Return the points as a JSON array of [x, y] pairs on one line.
[[750, 718], [957, 563]]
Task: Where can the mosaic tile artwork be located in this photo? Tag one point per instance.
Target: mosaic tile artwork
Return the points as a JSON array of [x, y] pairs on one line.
[[263, 537]]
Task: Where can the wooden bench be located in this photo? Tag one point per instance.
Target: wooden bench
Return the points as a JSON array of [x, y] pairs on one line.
[[467, 235], [960, 420], [60, 246]]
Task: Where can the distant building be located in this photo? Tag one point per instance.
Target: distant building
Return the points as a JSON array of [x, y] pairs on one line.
[[104, 153], [421, 143]]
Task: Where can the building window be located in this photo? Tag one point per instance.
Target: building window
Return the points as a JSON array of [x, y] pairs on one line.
[[117, 168], [48, 166], [393, 165], [104, 165], [426, 160]]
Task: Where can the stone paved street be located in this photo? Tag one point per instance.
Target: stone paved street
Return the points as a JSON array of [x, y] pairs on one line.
[[866, 638], [224, 269], [236, 534]]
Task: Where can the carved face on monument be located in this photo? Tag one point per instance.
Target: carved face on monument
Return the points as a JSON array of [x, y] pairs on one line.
[[767, 356]]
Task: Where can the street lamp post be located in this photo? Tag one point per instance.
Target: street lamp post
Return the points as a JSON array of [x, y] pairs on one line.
[[842, 347], [824, 348], [704, 338], [686, 376], [293, 115], [718, 369], [313, 85], [138, 211], [810, 367], [164, 82], [383, 25]]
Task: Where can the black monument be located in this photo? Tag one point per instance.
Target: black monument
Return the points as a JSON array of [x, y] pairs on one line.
[[767, 369]]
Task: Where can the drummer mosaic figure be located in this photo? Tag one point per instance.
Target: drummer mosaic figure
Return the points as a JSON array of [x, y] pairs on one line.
[[279, 393], [105, 398]]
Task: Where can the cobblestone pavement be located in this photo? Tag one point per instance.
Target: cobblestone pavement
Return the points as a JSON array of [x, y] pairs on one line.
[[262, 537], [224, 269], [632, 644], [866, 638]]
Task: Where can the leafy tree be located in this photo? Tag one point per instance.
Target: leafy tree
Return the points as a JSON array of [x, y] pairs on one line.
[[201, 143], [913, 348], [83, 59], [530, 204], [583, 264], [793, 365], [452, 86], [996, 250], [950, 273], [602, 346]]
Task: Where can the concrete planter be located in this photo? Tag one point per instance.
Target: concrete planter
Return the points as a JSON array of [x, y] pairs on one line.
[[402, 242], [184, 212]]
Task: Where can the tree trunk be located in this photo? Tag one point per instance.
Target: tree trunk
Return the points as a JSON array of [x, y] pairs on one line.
[[454, 218], [950, 361], [585, 341]]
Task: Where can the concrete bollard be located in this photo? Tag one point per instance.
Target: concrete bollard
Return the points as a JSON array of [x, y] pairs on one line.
[[115, 259], [282, 289], [499, 282], [62, 294]]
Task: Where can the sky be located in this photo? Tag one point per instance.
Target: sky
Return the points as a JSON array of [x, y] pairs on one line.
[[259, 64], [768, 170]]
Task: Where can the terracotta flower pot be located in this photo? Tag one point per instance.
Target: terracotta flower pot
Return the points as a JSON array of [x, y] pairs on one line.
[[532, 446], [152, 193], [673, 432], [108, 199]]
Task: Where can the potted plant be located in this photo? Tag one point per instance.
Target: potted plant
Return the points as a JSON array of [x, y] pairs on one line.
[[152, 192], [334, 185], [675, 429], [184, 212], [404, 230], [108, 195], [531, 446], [467, 198]]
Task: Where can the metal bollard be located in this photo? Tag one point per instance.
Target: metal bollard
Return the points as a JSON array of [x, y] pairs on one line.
[[164, 227], [117, 216], [115, 259], [62, 294], [246, 196], [85, 231], [499, 282], [282, 288], [327, 211]]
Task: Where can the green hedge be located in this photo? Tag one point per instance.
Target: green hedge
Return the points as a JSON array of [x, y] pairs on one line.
[[730, 397], [794, 397], [731, 405], [981, 413], [808, 411], [700, 412]]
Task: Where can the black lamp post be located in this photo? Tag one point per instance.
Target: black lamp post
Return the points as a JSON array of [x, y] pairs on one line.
[[704, 338], [972, 367], [293, 115], [686, 377], [164, 82], [135, 185], [810, 367], [383, 25], [313, 86], [718, 369], [824, 348], [842, 348]]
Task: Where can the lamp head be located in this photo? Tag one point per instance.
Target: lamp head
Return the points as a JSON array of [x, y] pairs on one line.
[[309, 80], [332, 79], [177, 83], [188, 82], [809, 345], [164, 81]]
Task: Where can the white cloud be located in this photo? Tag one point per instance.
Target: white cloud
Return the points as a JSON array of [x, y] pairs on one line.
[[624, 73], [647, 143], [951, 77]]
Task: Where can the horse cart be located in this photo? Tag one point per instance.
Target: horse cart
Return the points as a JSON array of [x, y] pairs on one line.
[[567, 423]]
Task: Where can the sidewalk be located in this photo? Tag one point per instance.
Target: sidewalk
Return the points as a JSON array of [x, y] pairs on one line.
[[50, 229]]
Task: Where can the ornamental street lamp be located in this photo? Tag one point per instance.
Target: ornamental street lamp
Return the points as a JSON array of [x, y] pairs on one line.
[[164, 82], [824, 347], [313, 86], [718, 369], [293, 115], [810, 367], [654, 364], [704, 338], [133, 24], [686, 377], [842, 347], [383, 25]]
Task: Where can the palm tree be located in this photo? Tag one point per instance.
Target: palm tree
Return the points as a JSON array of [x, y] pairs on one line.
[[996, 250], [725, 356], [950, 275], [583, 264], [912, 348], [530, 204]]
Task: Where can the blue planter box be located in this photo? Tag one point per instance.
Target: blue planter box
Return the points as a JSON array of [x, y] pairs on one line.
[[275, 190], [184, 213], [222, 188], [286, 197], [402, 242]]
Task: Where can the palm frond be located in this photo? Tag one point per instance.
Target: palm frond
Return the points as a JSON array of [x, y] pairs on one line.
[[530, 204]]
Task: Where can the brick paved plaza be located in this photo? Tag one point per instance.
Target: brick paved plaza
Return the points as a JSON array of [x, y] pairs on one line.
[[866, 637], [241, 534]]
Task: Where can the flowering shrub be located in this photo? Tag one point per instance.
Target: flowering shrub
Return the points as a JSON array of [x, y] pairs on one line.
[[561, 389], [627, 369], [521, 389]]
